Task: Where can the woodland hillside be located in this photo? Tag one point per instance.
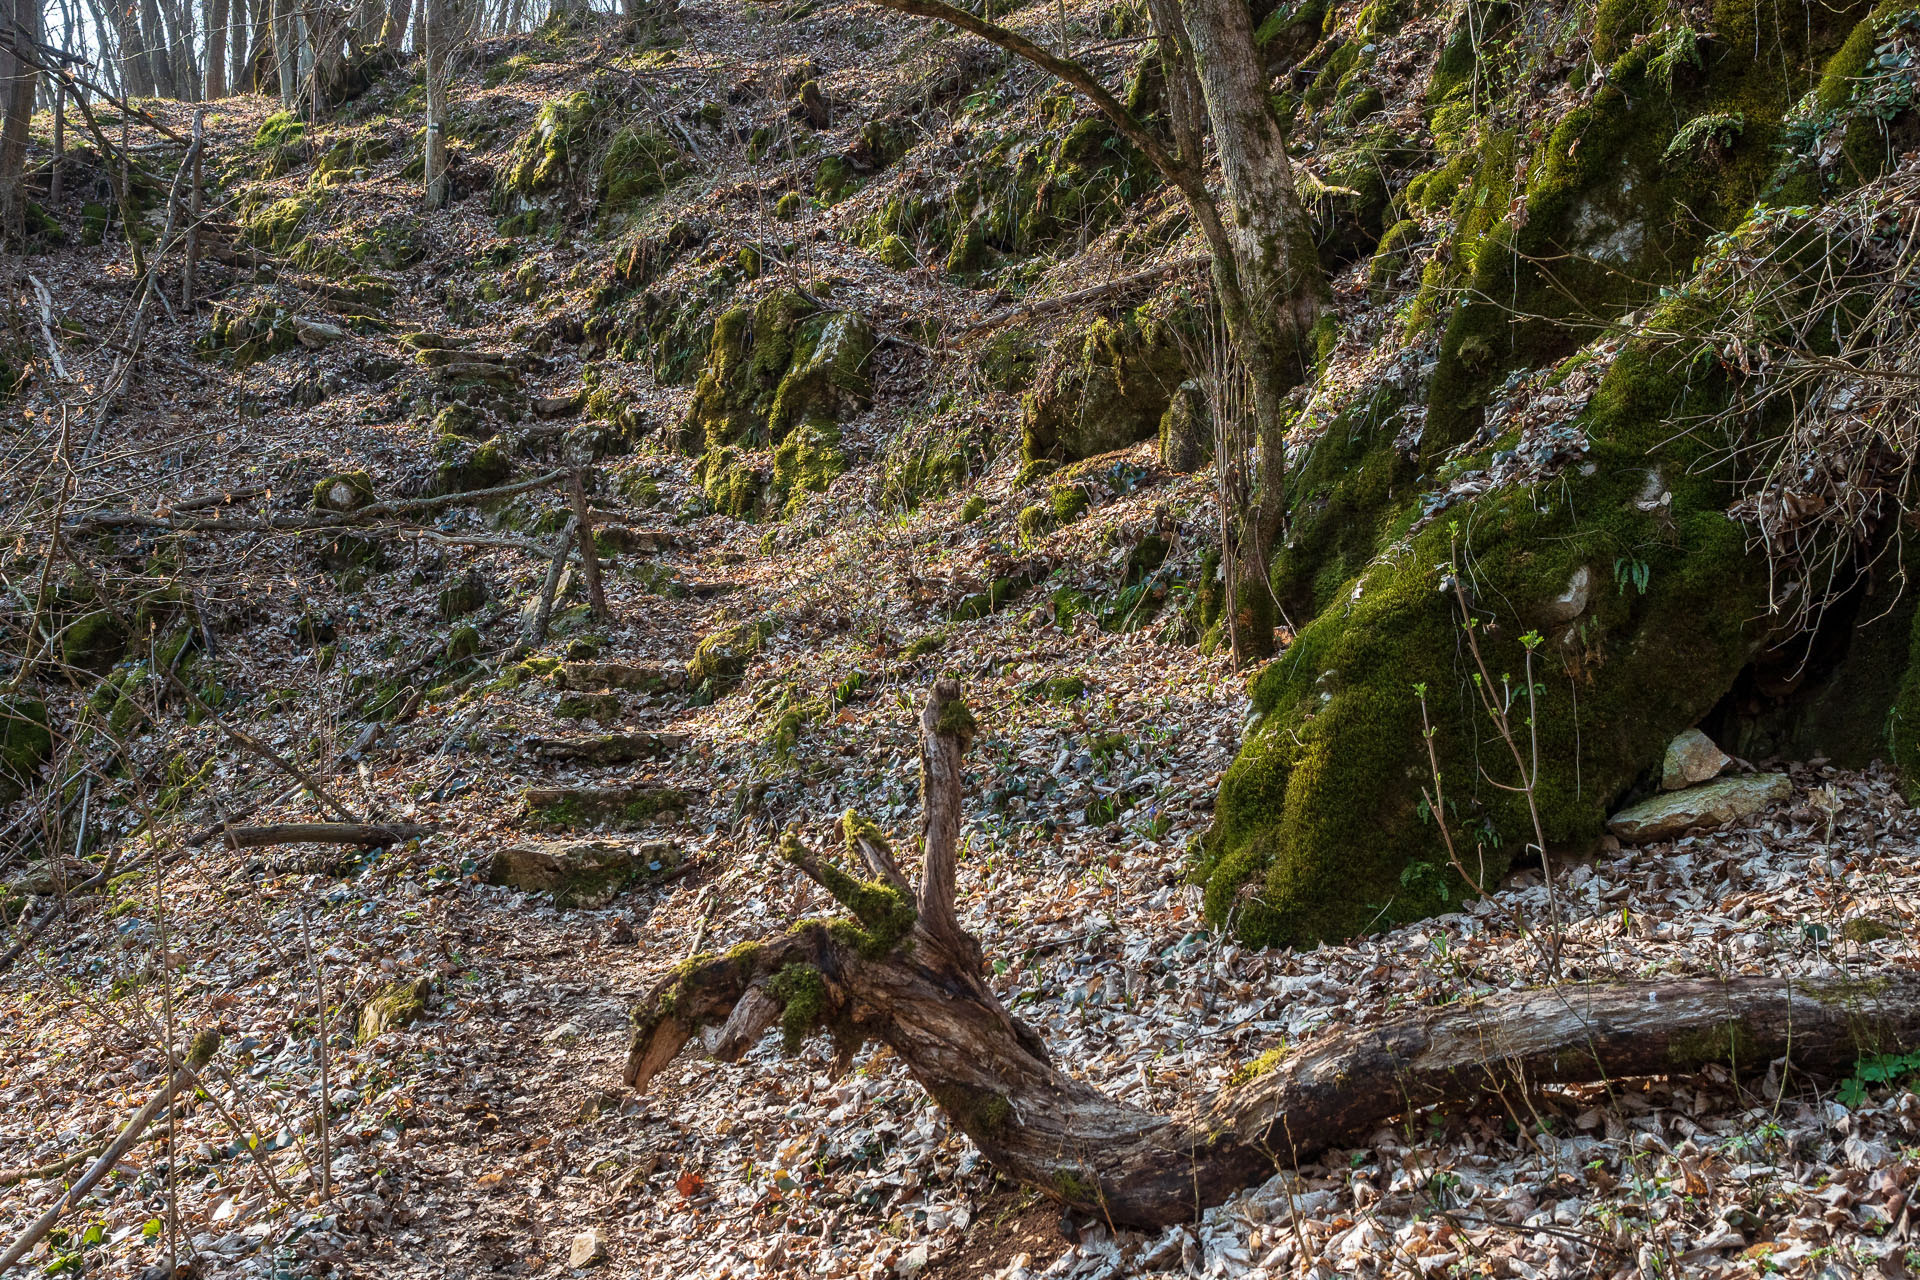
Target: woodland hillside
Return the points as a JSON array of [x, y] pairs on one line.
[[835, 639]]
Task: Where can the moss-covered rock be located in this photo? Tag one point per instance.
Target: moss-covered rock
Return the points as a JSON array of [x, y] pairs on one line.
[[580, 873], [26, 743], [1608, 213], [344, 491], [1104, 388], [620, 807], [94, 641], [398, 1005], [777, 374], [276, 226], [1321, 830], [582, 152], [721, 659]]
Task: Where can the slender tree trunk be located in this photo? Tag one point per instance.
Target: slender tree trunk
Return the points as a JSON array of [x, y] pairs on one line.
[[286, 51], [393, 36], [55, 177], [244, 44], [18, 81], [217, 14], [891, 974], [136, 71], [153, 49], [438, 47]]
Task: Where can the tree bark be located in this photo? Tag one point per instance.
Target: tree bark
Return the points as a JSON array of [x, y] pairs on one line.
[[438, 43], [217, 18], [18, 79], [891, 975]]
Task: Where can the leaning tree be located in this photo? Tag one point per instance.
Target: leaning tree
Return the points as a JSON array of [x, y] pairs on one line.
[[898, 968]]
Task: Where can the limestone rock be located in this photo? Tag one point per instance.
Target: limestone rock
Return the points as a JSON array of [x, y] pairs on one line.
[[1572, 602], [1676, 812], [1692, 758], [579, 873], [315, 334], [50, 876], [1186, 430], [589, 1248], [397, 1005]]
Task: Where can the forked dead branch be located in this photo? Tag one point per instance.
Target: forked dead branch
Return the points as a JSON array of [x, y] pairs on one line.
[[901, 971]]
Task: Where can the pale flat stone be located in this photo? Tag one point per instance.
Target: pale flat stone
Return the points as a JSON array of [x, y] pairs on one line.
[[1677, 812], [1692, 757], [589, 1248]]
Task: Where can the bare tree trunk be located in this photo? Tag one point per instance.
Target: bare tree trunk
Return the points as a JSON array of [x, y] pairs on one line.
[[55, 183], [438, 45], [18, 80], [286, 50], [217, 14], [885, 975], [393, 36], [153, 48], [189, 269], [244, 44]]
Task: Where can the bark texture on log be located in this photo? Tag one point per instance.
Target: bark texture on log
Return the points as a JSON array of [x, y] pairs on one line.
[[889, 974]]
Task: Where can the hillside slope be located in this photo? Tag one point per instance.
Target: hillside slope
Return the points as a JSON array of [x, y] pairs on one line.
[[780, 280]]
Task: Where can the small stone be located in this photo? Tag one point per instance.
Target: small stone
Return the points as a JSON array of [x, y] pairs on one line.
[[1664, 817], [315, 334], [1692, 758], [1572, 602], [620, 934], [589, 1248]]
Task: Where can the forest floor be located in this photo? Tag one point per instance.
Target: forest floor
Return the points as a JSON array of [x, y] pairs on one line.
[[491, 1135]]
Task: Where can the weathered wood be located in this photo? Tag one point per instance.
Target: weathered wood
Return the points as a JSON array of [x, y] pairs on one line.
[[537, 629], [911, 990], [946, 730], [362, 833], [589, 558]]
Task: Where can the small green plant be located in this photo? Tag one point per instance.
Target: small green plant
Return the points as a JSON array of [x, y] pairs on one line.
[[1632, 571], [1882, 1069]]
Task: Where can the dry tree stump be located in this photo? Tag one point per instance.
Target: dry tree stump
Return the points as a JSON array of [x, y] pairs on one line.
[[897, 968]]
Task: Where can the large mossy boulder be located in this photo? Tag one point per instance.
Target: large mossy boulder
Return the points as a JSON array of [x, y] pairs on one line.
[[1104, 388], [26, 743], [1321, 829], [584, 152], [1682, 137], [780, 374]]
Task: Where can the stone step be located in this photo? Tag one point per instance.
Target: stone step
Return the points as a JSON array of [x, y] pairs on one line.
[[587, 676], [570, 808], [605, 748], [582, 873]]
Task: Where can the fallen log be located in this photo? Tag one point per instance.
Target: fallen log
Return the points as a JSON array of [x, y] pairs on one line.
[[359, 833], [906, 975]]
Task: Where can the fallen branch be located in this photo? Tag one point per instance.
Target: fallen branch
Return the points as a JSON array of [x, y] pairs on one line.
[[896, 974], [204, 1046], [1093, 293], [359, 833]]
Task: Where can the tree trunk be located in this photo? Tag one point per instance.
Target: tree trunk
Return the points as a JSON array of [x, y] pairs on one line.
[[153, 50], [245, 44], [18, 80], [217, 11], [286, 51], [393, 36], [438, 47], [888, 976]]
